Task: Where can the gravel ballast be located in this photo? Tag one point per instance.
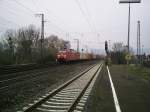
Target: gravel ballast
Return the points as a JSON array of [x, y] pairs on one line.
[[24, 91]]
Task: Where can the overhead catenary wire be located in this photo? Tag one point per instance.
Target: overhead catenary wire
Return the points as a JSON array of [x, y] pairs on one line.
[[35, 3], [4, 27], [84, 14], [54, 16], [19, 3], [61, 21], [50, 12], [33, 12], [27, 10], [9, 21], [14, 13], [10, 11], [30, 11], [89, 14], [90, 18], [60, 29], [55, 32]]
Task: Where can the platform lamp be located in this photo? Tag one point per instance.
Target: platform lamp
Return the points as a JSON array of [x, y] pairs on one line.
[[129, 2]]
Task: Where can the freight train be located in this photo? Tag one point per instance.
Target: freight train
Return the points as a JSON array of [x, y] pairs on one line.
[[71, 55]]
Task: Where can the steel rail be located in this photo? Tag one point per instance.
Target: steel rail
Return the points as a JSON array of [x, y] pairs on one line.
[[82, 92], [40, 101]]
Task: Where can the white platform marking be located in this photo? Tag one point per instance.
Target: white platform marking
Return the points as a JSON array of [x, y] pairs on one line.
[[117, 106]]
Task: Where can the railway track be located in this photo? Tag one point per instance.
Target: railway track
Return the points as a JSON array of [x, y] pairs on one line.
[[9, 69], [69, 97], [10, 80]]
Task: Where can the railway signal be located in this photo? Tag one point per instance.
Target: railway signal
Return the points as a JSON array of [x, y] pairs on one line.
[[106, 47]]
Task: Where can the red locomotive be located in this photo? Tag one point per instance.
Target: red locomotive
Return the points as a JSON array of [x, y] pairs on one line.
[[67, 56], [72, 55]]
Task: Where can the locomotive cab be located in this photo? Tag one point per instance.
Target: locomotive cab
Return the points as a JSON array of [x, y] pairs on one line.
[[67, 56], [61, 56]]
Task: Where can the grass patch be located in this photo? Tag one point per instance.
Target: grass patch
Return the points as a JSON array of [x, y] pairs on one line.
[[141, 71]]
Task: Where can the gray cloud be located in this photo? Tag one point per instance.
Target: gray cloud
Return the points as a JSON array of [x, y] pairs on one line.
[[107, 18]]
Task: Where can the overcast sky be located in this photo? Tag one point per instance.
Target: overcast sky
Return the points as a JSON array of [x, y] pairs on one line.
[[91, 21]]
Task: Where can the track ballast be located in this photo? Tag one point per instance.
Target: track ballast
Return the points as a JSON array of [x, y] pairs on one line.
[[69, 97]]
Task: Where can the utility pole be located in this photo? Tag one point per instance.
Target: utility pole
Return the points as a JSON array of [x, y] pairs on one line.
[[139, 35], [143, 56], [142, 49], [42, 35], [139, 38], [129, 29], [137, 41]]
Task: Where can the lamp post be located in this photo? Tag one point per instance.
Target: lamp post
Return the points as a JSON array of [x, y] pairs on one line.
[[142, 49], [143, 56], [129, 2]]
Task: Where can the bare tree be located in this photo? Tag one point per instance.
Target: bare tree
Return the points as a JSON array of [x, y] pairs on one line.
[[25, 45], [118, 46]]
